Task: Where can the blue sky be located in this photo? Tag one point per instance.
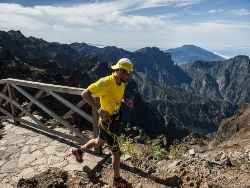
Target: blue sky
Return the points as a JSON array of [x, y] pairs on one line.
[[221, 26]]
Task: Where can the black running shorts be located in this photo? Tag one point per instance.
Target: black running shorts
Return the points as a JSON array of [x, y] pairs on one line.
[[109, 131]]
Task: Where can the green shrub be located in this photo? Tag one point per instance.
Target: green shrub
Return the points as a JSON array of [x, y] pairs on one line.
[[126, 145], [176, 149], [140, 151], [159, 153]]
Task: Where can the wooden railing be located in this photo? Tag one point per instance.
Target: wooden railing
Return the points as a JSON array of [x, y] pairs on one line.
[[16, 111]]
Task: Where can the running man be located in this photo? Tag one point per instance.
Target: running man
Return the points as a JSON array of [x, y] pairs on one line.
[[110, 90]]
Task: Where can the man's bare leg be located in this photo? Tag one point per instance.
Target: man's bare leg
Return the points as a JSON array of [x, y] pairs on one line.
[[92, 143], [78, 153], [118, 180], [116, 163]]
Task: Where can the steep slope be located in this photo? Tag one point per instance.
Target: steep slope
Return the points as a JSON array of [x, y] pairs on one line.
[[191, 53], [49, 72], [226, 80], [235, 130], [158, 67], [33, 48], [188, 109]]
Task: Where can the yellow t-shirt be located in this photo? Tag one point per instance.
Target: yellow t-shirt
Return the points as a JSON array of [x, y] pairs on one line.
[[109, 92]]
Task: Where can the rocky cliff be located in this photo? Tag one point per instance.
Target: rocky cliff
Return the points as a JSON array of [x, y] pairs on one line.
[[227, 80]]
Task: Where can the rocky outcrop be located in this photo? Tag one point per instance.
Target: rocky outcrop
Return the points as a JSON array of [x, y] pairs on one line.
[[234, 130], [109, 54], [46, 71], [157, 67], [33, 48], [222, 80]]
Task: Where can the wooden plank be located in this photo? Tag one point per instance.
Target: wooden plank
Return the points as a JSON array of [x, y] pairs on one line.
[[95, 116], [68, 114], [41, 125], [54, 132], [5, 89], [22, 109], [38, 94], [12, 96], [5, 117], [6, 112], [71, 106], [43, 86], [48, 111], [3, 81]]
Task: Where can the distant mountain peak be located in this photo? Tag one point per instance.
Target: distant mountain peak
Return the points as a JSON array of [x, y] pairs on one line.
[[112, 48], [16, 34], [243, 57], [149, 49], [189, 53], [190, 45]]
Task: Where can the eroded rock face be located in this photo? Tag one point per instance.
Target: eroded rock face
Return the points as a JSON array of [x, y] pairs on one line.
[[222, 79], [234, 130]]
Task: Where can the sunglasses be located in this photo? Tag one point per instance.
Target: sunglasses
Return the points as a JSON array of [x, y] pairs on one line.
[[129, 72]]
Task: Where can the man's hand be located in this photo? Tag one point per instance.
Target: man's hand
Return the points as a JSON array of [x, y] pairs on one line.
[[129, 103], [105, 115]]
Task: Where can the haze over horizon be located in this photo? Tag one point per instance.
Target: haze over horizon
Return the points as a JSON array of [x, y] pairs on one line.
[[221, 26]]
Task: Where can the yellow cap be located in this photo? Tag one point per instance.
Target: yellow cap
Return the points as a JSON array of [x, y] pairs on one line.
[[123, 63]]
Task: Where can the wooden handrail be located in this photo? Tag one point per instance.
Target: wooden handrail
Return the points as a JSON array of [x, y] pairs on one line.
[[43, 86]]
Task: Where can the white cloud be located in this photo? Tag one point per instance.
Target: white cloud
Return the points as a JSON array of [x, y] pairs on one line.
[[222, 55], [187, 3], [140, 4], [87, 14], [211, 35], [113, 23], [93, 14], [216, 28], [13, 16], [215, 11], [241, 12]]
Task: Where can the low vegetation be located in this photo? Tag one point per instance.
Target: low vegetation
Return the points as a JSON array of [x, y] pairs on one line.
[[241, 163], [149, 151], [176, 149]]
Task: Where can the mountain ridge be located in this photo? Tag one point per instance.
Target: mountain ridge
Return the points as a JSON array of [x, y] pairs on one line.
[[191, 53], [171, 90]]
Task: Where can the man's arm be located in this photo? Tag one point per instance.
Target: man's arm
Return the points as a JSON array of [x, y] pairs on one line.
[[87, 96]]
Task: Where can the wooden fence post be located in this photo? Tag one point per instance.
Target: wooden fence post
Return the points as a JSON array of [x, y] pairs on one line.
[[12, 96], [95, 115]]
